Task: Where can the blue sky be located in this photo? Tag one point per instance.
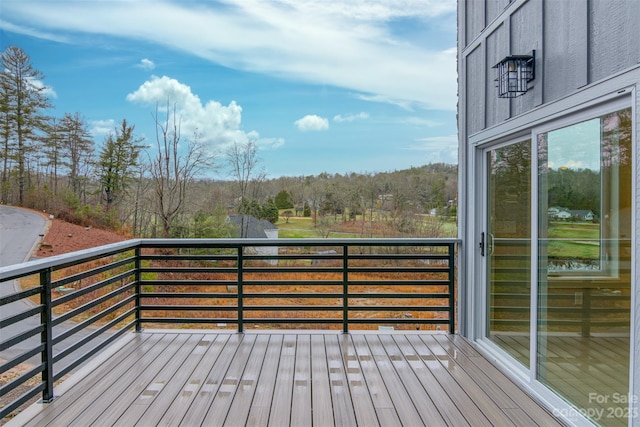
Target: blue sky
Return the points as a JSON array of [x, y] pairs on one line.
[[320, 85]]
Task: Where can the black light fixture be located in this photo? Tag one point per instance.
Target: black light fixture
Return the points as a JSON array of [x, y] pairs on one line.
[[514, 74]]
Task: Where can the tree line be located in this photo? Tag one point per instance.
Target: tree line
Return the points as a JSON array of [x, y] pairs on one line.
[[161, 188]]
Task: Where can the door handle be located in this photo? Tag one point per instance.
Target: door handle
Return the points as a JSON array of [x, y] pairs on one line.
[[482, 243]]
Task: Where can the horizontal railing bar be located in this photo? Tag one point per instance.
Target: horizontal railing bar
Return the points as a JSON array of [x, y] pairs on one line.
[[174, 307], [403, 270], [16, 382], [175, 320], [91, 288], [62, 372], [84, 340], [398, 296], [65, 260], [37, 310], [412, 321], [418, 283], [218, 270], [72, 313], [292, 308], [184, 282], [27, 396], [441, 308], [251, 270], [21, 337], [180, 257], [22, 358], [19, 296], [91, 272], [182, 295], [301, 320], [80, 326], [254, 295]]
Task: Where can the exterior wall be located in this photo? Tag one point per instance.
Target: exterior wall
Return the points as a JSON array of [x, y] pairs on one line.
[[587, 52]]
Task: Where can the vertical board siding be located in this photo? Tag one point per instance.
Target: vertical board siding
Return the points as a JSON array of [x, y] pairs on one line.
[[614, 27], [565, 64]]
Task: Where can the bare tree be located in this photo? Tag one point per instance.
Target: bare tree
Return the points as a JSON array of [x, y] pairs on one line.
[[248, 173], [174, 167]]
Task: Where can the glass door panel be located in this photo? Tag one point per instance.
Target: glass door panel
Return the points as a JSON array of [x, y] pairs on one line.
[[584, 264], [507, 248]]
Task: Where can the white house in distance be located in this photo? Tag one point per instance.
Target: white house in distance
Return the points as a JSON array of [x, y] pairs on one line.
[[548, 96]]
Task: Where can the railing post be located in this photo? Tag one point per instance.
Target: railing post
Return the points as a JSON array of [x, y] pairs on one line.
[[452, 288], [240, 290], [138, 289], [345, 289], [46, 318]]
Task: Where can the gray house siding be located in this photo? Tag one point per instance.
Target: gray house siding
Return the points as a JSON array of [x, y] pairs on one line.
[[587, 53]]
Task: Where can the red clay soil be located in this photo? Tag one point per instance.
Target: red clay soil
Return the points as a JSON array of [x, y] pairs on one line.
[[63, 237]]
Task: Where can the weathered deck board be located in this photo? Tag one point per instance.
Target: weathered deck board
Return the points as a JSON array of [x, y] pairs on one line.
[[287, 378]]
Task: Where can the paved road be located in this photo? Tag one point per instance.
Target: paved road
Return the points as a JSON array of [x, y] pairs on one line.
[[20, 231]]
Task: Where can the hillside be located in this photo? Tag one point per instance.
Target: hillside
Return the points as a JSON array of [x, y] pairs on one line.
[[63, 237]]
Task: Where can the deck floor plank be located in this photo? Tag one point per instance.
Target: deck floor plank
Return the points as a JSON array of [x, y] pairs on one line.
[[223, 399], [438, 394], [239, 411], [174, 387], [362, 403], [479, 395], [416, 393], [301, 399], [158, 386], [280, 414], [261, 404], [187, 385], [209, 387], [320, 389], [87, 387], [400, 396], [526, 403], [453, 389], [178, 378], [129, 387], [343, 410]]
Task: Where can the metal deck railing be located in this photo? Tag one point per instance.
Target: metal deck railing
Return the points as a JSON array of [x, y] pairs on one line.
[[67, 308]]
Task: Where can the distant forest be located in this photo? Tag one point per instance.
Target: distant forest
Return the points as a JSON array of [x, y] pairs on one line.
[[159, 188]]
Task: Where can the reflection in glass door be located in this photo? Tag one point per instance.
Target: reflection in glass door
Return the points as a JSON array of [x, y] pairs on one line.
[[506, 244], [584, 264]]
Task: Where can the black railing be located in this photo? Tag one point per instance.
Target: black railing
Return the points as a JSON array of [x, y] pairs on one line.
[[68, 308]]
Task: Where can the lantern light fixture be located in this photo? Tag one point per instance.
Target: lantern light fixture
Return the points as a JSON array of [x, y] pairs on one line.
[[514, 74]]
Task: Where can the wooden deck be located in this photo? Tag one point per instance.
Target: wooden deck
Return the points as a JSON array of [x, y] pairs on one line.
[[289, 379]]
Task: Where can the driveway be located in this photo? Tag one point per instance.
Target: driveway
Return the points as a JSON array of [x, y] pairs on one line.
[[20, 231]]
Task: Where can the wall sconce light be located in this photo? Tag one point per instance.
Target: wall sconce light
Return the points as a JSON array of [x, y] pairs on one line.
[[514, 74]]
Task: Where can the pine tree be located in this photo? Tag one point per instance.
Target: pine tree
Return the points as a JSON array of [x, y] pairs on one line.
[[117, 162], [23, 99]]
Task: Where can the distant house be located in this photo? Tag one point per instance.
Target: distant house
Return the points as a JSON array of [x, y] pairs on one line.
[[582, 215], [557, 212], [250, 227]]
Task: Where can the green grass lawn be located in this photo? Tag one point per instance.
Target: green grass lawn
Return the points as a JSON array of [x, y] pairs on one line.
[[574, 240]]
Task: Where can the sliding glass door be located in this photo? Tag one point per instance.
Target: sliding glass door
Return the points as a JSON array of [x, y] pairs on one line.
[[507, 248], [556, 246], [584, 264]]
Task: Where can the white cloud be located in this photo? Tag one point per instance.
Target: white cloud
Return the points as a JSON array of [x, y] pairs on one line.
[[44, 89], [351, 117], [420, 121], [217, 125], [102, 127], [353, 45], [312, 122], [146, 64], [438, 148]]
